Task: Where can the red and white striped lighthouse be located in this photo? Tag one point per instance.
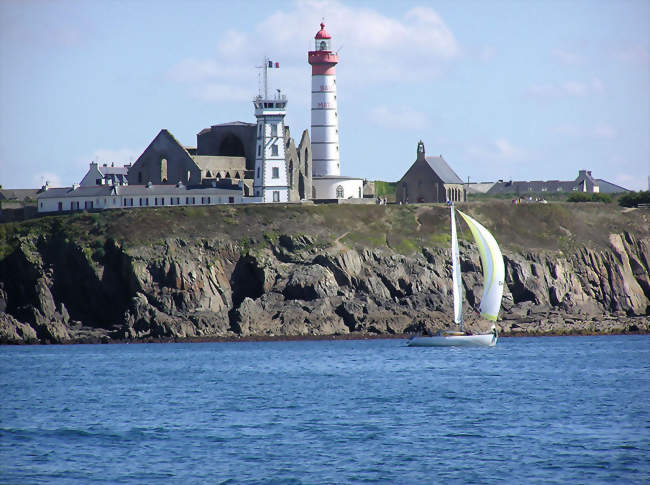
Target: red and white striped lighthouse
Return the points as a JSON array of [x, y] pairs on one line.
[[324, 112]]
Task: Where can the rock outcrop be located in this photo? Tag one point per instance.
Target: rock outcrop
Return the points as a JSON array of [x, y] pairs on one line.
[[52, 291]]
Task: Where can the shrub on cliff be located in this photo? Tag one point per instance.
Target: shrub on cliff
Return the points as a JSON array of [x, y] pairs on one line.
[[633, 199], [589, 197]]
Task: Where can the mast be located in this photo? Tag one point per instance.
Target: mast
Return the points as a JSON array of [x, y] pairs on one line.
[[455, 273]]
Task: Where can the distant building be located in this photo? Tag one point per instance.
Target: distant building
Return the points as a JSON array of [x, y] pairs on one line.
[[105, 175], [99, 197], [583, 183], [430, 179], [224, 153]]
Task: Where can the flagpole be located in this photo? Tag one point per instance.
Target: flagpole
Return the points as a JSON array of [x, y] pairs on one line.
[[266, 68]]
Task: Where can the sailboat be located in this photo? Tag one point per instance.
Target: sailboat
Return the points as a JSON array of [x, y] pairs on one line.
[[493, 277]]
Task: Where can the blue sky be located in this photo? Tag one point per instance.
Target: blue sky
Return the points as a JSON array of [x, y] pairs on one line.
[[521, 90]]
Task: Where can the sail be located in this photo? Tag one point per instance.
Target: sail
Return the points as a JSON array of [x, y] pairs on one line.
[[455, 274], [493, 268]]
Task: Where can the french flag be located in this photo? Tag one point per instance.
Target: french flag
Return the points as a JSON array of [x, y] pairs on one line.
[[277, 64]]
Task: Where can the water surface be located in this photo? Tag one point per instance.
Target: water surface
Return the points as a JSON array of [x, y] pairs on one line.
[[533, 410]]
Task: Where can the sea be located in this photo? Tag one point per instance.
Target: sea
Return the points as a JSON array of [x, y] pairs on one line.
[[530, 410]]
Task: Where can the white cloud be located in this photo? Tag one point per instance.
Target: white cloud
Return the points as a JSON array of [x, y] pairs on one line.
[[500, 150], [599, 131], [487, 53], [633, 54], [373, 48], [568, 88], [120, 156], [567, 58], [400, 118], [604, 131], [41, 178]]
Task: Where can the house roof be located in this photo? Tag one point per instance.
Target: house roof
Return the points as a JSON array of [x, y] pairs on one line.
[[18, 194], [606, 187], [80, 191], [109, 170], [137, 191], [232, 123], [534, 186], [443, 170]]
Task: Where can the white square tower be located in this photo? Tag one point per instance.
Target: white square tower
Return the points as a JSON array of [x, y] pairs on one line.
[[271, 179]]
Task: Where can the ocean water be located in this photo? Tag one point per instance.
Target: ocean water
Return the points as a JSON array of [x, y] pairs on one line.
[[530, 410]]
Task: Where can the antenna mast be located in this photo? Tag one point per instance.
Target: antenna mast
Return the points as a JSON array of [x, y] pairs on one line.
[[265, 66]]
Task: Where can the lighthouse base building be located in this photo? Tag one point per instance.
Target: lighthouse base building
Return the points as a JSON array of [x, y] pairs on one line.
[[336, 187]]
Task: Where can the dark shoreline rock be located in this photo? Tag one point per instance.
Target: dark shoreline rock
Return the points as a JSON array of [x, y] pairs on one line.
[[191, 289]]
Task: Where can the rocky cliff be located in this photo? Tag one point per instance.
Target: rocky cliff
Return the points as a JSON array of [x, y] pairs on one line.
[[56, 288]]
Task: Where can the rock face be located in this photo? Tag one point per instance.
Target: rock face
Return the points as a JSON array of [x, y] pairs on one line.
[[51, 291]]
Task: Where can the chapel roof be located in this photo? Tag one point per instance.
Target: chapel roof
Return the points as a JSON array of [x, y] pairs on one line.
[[443, 170]]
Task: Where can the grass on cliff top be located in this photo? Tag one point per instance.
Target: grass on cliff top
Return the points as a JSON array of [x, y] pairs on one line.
[[403, 228]]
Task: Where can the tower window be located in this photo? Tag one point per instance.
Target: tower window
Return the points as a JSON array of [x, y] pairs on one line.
[[276, 196], [274, 150], [274, 129], [163, 170], [259, 150], [275, 173], [339, 192], [258, 172]]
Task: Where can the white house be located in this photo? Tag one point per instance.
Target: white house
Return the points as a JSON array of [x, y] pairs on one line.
[[101, 197], [105, 175]]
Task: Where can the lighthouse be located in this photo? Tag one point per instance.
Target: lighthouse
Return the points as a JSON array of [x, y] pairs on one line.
[[324, 113]]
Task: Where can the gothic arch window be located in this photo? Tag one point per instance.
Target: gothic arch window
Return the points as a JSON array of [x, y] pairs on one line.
[[208, 174], [231, 146], [237, 175], [163, 170], [339, 191], [227, 175], [218, 175]]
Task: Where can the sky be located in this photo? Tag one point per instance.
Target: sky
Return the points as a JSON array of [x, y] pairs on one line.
[[512, 90]]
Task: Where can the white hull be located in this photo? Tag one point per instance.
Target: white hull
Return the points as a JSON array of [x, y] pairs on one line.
[[485, 340]]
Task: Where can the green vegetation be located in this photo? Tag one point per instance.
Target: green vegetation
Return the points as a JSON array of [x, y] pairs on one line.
[[402, 228], [589, 197], [385, 189], [633, 199]]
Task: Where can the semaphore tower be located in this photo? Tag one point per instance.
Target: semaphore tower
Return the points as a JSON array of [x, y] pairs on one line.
[[271, 182], [324, 113]]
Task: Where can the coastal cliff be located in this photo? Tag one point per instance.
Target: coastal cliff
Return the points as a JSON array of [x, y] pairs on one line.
[[258, 272]]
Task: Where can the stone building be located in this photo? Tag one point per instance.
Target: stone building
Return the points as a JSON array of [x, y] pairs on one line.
[[224, 153], [430, 179], [584, 182]]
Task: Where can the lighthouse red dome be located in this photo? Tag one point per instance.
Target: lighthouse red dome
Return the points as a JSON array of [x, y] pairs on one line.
[[322, 33]]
